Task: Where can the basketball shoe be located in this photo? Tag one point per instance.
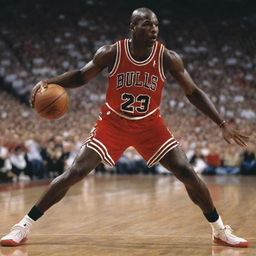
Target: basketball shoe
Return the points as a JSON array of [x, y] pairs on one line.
[[224, 236], [17, 236]]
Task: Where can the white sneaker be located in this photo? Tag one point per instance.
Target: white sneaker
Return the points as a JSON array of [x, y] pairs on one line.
[[17, 236], [225, 237]]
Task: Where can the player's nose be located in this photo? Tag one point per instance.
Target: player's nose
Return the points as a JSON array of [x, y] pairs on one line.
[[154, 29]]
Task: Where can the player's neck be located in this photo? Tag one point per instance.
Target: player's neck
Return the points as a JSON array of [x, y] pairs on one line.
[[138, 50]]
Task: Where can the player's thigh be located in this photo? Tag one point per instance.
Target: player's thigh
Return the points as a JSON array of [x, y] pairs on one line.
[[176, 161]]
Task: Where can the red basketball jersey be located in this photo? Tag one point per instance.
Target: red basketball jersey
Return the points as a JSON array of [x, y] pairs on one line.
[[135, 87]]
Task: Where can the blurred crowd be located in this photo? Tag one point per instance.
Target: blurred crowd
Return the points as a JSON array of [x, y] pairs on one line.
[[220, 55]]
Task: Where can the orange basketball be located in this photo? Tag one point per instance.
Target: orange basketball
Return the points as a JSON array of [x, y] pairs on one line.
[[51, 102]]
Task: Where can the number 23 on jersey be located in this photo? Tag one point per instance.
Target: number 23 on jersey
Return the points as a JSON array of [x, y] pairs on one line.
[[129, 99]]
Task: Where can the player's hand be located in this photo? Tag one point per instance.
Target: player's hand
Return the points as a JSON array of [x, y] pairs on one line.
[[229, 134], [41, 84]]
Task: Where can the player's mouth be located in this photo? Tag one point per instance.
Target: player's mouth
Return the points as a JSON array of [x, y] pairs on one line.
[[153, 38]]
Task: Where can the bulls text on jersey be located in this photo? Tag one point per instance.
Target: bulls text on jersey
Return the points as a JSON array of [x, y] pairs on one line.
[[136, 78]]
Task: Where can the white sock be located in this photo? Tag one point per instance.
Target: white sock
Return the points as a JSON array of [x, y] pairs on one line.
[[217, 225], [26, 222]]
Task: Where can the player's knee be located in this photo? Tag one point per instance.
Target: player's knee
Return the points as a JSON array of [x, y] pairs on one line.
[[185, 173], [76, 173]]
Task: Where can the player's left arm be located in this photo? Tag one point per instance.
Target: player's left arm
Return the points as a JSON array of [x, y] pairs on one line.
[[174, 64]]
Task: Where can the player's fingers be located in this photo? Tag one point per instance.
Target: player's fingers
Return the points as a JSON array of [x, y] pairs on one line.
[[246, 137], [32, 97], [40, 85], [44, 83], [243, 136], [227, 140], [239, 142], [243, 145], [242, 140], [31, 101]]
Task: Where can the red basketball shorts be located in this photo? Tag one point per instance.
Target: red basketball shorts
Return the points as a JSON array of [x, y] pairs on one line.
[[113, 134]]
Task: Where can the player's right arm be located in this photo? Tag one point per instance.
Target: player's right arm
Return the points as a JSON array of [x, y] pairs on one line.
[[104, 57]]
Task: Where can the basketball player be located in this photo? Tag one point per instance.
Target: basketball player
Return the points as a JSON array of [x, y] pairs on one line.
[[131, 117]]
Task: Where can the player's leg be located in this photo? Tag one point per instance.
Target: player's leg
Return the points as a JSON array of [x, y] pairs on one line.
[[176, 161], [103, 144], [85, 162]]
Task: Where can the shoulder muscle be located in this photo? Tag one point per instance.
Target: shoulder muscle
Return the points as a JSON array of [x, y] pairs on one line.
[[172, 61], [174, 64], [105, 56]]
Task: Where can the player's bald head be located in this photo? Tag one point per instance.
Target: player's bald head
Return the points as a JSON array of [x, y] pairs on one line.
[[141, 13]]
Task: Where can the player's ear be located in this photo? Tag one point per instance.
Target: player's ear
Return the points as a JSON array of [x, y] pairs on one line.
[[132, 27]]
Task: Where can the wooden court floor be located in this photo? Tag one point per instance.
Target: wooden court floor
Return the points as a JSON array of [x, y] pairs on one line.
[[132, 215]]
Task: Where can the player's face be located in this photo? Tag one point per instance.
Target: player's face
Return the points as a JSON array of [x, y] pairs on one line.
[[146, 30]]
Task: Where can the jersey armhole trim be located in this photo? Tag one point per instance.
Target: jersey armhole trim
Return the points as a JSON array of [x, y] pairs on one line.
[[161, 63], [117, 60]]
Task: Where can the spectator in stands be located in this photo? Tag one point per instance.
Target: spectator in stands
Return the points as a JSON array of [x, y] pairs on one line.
[[231, 162], [58, 160], [48, 156], [198, 161], [213, 161], [5, 166], [248, 164], [122, 165], [54, 158], [18, 162], [34, 158]]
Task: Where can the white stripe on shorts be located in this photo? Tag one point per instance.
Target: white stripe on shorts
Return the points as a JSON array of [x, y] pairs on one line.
[[100, 148], [166, 147]]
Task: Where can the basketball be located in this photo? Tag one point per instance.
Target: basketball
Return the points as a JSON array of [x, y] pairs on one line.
[[51, 102]]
